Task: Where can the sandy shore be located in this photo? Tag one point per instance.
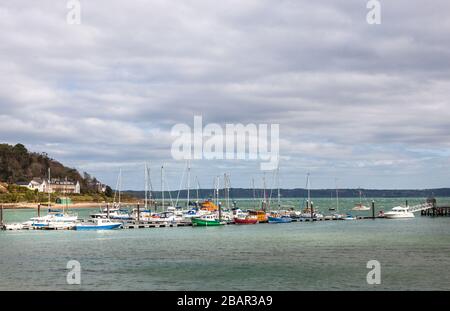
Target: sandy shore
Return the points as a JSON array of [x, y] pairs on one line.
[[74, 205]]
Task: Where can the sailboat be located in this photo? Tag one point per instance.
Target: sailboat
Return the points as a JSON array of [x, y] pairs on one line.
[[309, 212], [211, 219], [260, 213], [360, 206], [53, 219], [114, 212]]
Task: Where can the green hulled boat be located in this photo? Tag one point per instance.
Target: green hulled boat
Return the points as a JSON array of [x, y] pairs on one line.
[[206, 221]]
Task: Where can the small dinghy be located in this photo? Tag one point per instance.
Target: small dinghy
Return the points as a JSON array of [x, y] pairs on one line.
[[349, 217]]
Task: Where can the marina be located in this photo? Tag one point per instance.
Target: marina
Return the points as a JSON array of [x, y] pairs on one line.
[[55, 220]]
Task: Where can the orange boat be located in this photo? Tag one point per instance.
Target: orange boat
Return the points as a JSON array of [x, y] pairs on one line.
[[209, 206], [260, 215]]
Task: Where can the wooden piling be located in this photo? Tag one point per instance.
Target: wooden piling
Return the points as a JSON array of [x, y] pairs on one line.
[[373, 209], [107, 210], [1, 216], [39, 210]]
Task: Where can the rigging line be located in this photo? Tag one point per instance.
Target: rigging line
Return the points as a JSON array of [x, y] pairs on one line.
[[117, 187], [168, 190], [271, 189], [181, 185], [150, 183], [304, 197], [198, 187]]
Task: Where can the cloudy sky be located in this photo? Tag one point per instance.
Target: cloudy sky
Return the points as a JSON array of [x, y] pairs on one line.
[[367, 104]]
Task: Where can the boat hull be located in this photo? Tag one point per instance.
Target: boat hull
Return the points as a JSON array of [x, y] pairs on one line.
[[398, 216], [97, 227], [245, 221], [279, 220], [205, 223], [260, 215]]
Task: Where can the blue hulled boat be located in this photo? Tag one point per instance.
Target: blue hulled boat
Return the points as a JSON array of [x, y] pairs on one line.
[[98, 224], [279, 219]]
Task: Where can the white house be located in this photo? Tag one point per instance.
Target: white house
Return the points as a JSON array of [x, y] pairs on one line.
[[55, 185]]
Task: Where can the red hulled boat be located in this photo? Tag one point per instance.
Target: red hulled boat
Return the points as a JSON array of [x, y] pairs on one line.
[[248, 220]]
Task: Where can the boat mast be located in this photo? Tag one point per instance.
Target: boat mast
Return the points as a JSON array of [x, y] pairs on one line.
[[217, 190], [254, 194], [120, 186], [310, 206], [65, 194], [49, 188], [309, 191], [337, 196], [218, 193], [116, 190], [228, 190], [264, 191], [150, 186], [198, 188], [146, 186], [278, 185], [162, 186], [188, 182]]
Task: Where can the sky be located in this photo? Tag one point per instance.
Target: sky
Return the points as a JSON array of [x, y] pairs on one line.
[[358, 105]]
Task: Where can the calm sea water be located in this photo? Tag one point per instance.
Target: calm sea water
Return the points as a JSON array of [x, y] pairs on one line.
[[331, 255]]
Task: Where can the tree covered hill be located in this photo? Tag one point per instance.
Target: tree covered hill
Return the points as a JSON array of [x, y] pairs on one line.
[[17, 164]]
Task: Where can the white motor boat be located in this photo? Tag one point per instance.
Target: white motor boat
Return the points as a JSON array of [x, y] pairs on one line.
[[165, 217], [307, 214], [15, 226], [361, 207], [44, 221], [60, 225], [399, 212], [117, 215]]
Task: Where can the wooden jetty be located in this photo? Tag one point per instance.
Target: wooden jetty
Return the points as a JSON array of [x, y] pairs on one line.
[[435, 209], [145, 225]]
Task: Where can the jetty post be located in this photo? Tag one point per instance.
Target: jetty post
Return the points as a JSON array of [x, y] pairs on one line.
[[373, 209], [1, 216], [39, 210], [138, 213], [220, 211], [107, 210]]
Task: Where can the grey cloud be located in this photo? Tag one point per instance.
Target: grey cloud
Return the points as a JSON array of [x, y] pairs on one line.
[[350, 98]]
